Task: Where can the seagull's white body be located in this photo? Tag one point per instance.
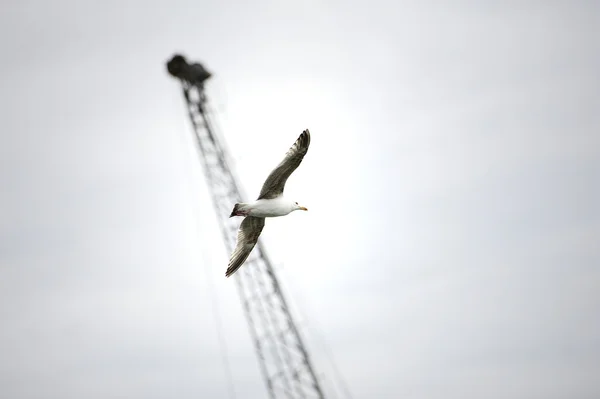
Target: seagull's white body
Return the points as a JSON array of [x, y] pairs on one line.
[[264, 208], [270, 203]]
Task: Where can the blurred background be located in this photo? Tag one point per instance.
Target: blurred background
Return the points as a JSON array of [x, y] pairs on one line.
[[450, 249]]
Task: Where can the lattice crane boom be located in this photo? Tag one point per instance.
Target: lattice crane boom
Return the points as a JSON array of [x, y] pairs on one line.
[[284, 361]]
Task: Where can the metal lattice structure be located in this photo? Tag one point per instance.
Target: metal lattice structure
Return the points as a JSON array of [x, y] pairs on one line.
[[283, 358]]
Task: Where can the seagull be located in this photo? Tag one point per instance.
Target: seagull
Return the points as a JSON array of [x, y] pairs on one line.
[[270, 203]]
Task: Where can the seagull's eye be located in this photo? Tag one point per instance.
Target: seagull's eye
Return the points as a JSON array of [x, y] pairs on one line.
[[296, 203]]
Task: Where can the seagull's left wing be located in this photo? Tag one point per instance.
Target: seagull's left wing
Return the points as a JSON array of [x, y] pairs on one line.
[[273, 186], [248, 234]]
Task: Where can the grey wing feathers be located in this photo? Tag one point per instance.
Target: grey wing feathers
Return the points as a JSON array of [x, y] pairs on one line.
[[273, 186], [248, 234]]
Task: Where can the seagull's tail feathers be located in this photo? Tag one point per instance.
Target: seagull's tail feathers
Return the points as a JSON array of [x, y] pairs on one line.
[[236, 208]]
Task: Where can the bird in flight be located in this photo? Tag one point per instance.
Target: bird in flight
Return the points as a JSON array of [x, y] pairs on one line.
[[270, 203]]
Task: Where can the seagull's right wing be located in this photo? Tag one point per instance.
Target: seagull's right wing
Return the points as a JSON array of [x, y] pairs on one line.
[[248, 234], [273, 186]]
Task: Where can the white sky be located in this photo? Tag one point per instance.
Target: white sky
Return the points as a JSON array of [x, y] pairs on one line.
[[451, 244]]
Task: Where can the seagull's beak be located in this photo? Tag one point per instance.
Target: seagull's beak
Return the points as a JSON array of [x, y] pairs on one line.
[[303, 208]]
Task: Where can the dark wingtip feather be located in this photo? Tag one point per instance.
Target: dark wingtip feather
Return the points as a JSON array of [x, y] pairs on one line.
[[231, 269], [304, 138]]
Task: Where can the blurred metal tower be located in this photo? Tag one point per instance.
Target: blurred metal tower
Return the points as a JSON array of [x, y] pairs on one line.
[[283, 358]]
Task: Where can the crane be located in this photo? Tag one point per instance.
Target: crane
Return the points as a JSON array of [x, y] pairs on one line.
[[283, 358]]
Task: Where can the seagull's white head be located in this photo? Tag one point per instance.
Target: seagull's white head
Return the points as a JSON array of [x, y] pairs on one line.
[[298, 207]]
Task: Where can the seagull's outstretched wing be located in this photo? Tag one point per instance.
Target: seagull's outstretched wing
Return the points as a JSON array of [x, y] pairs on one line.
[[248, 233], [273, 186]]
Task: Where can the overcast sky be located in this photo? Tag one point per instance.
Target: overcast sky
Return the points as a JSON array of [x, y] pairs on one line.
[[450, 249]]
